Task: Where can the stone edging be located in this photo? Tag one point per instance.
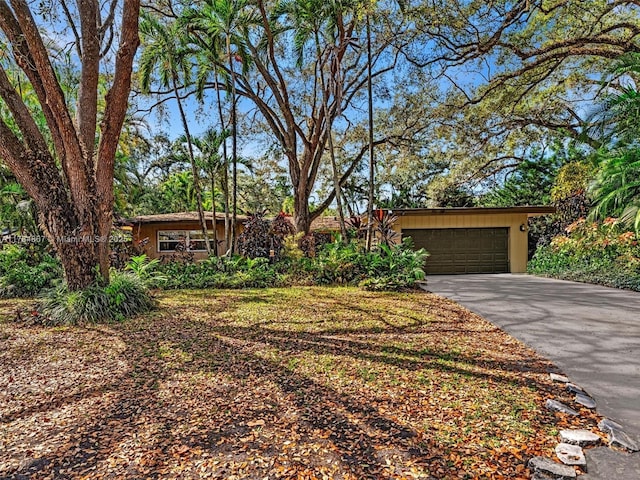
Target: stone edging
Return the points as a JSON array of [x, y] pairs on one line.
[[570, 449]]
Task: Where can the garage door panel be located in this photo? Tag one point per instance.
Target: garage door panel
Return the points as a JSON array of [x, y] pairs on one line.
[[463, 250]]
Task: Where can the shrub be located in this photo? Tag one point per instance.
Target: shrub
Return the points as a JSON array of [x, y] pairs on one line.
[[600, 253], [337, 263], [26, 271], [396, 267], [388, 267], [254, 242], [281, 228], [264, 238], [146, 270], [218, 272], [125, 296]]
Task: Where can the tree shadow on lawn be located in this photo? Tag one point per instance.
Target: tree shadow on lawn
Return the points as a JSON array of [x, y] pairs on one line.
[[204, 398]]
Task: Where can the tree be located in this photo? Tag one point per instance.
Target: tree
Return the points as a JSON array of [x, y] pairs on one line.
[[164, 49], [208, 56], [514, 74], [225, 23], [309, 20], [70, 177], [616, 188], [303, 129], [213, 163]]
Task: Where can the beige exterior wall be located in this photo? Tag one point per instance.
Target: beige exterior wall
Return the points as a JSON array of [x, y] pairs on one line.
[[518, 240], [150, 231]]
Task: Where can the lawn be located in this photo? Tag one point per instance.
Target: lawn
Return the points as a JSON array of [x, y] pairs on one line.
[[305, 383]]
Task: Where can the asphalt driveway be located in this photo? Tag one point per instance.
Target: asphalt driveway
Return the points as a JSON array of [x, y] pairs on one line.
[[591, 333]]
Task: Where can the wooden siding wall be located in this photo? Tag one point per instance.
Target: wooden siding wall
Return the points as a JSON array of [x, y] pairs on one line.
[[150, 231], [518, 240]]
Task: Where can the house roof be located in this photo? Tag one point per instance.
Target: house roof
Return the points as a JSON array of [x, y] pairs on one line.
[[328, 223], [325, 224], [529, 210], [331, 223], [178, 217]]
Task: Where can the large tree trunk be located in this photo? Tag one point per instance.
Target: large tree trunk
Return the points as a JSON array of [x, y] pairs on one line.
[[64, 170], [78, 262], [301, 215]]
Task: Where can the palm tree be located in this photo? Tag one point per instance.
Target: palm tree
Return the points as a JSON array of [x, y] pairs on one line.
[[208, 57], [226, 24], [617, 119], [616, 123], [165, 51], [209, 146], [616, 189]]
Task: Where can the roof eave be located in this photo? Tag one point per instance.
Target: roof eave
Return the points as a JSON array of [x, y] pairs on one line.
[[531, 211]]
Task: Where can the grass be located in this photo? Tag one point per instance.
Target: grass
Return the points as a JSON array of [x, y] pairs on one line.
[[278, 383]]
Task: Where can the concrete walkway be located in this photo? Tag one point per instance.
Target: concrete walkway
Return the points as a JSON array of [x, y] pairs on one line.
[[591, 333]]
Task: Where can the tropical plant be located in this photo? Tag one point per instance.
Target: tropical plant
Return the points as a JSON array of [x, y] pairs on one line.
[[594, 252], [616, 189], [213, 163], [616, 120], [384, 221], [396, 267], [16, 209], [164, 50], [146, 270], [224, 26], [125, 296], [254, 241], [25, 271]]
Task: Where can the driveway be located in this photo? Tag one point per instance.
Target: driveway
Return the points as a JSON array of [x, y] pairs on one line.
[[591, 333]]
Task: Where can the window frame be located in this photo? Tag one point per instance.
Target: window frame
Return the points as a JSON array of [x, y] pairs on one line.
[[186, 235]]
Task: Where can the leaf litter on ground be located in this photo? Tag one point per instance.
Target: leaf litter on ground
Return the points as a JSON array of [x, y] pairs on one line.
[[295, 383]]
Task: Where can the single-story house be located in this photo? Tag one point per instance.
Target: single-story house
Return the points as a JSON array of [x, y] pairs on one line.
[[470, 240], [163, 234], [459, 240]]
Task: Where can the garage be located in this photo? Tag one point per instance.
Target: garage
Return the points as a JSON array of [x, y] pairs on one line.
[[470, 240], [463, 250]]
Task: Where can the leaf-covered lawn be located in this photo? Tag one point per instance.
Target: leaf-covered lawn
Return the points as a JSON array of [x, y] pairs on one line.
[[306, 383]]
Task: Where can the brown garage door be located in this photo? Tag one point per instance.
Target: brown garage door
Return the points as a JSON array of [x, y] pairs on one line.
[[463, 250]]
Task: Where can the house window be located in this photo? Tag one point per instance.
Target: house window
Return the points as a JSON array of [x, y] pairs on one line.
[[191, 240]]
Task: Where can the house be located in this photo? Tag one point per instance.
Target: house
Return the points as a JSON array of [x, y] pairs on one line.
[[459, 240], [470, 240], [161, 235], [466, 239]]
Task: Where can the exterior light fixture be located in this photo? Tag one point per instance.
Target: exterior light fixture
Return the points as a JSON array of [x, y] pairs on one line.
[[523, 228]]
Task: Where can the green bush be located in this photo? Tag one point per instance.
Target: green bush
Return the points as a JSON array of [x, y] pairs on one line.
[[337, 263], [125, 296], [218, 272], [145, 270], [396, 267], [600, 253], [27, 271], [385, 268]]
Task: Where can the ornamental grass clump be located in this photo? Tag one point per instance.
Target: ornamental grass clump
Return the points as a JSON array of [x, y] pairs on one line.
[[125, 296]]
